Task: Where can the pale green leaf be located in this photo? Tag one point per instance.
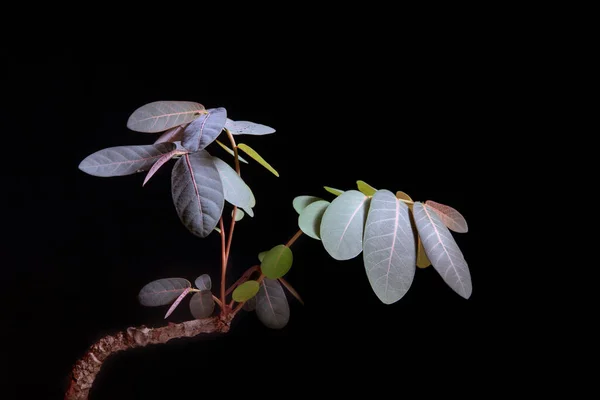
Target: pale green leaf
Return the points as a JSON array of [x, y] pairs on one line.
[[365, 188], [246, 291], [235, 189], [301, 202], [239, 214], [333, 191], [277, 262], [310, 218], [252, 153], [262, 255]]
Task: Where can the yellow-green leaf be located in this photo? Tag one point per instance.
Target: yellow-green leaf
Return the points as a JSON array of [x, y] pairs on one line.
[[277, 262], [333, 191], [365, 188], [227, 149], [252, 153], [403, 196], [422, 260], [246, 291]]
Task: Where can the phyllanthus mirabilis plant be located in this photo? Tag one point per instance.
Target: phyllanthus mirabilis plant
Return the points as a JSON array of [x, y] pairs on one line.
[[394, 233]]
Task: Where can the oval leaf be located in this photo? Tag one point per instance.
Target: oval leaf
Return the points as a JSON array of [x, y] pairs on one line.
[[333, 191], [172, 135], [245, 291], [227, 149], [272, 307], [202, 304], [203, 282], [162, 115], [235, 189], [343, 224], [301, 202], [250, 305], [403, 196], [197, 192], [442, 250], [163, 291], [239, 214], [124, 160], [261, 255], [389, 247], [450, 217], [204, 130], [252, 153], [310, 219], [247, 128], [277, 262], [365, 188]]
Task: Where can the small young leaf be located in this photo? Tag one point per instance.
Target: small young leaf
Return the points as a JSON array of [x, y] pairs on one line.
[[343, 225], [272, 308], [239, 214], [235, 189], [163, 291], [247, 128], [245, 291], [172, 135], [227, 149], [204, 130], [310, 218], [333, 191], [203, 282], [124, 160], [252, 153], [217, 229], [422, 260], [250, 305], [365, 188], [449, 216], [161, 161], [202, 304], [301, 202], [176, 303], [277, 262], [403, 196], [261, 255], [162, 115]]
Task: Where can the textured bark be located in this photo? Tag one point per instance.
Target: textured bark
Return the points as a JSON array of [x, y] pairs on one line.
[[85, 370]]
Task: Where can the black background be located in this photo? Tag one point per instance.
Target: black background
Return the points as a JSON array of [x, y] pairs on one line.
[[76, 249]]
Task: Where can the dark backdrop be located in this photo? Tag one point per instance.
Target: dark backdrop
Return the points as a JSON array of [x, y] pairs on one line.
[[76, 249]]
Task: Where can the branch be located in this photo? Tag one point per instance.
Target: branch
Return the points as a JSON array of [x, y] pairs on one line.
[[85, 370]]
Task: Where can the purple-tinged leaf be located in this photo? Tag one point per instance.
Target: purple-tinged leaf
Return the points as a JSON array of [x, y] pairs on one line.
[[250, 305], [163, 291], [204, 130], [202, 304], [449, 216], [247, 128], [176, 303], [172, 135], [124, 160], [160, 162], [162, 115], [203, 282], [272, 307], [197, 192]]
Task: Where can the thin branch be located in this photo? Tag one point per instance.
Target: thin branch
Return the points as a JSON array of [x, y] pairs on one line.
[[223, 267], [242, 279], [294, 238], [291, 290], [85, 370], [216, 299], [235, 151]]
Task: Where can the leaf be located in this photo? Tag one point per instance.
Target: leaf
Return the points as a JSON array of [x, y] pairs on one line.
[[422, 260], [272, 308], [172, 135], [227, 149], [250, 305], [442, 250], [245, 291], [449, 216], [235, 189], [389, 247], [217, 229], [365, 188], [202, 304], [301, 202], [343, 224], [203, 282], [247, 128], [310, 219], [197, 192], [291, 290], [204, 130], [277, 262], [162, 291], [124, 160], [239, 214], [261, 255], [160, 162], [402, 195], [162, 115], [252, 153], [333, 191], [176, 303]]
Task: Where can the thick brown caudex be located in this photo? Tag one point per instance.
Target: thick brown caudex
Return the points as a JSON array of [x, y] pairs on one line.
[[85, 370]]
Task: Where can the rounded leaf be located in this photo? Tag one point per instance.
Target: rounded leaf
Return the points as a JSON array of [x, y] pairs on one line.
[[250, 305], [202, 304], [277, 262], [261, 255], [203, 282], [309, 220], [162, 291], [272, 308], [301, 202], [246, 291]]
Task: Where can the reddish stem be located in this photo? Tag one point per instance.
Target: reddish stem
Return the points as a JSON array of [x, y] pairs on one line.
[[242, 279], [223, 268], [294, 238]]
